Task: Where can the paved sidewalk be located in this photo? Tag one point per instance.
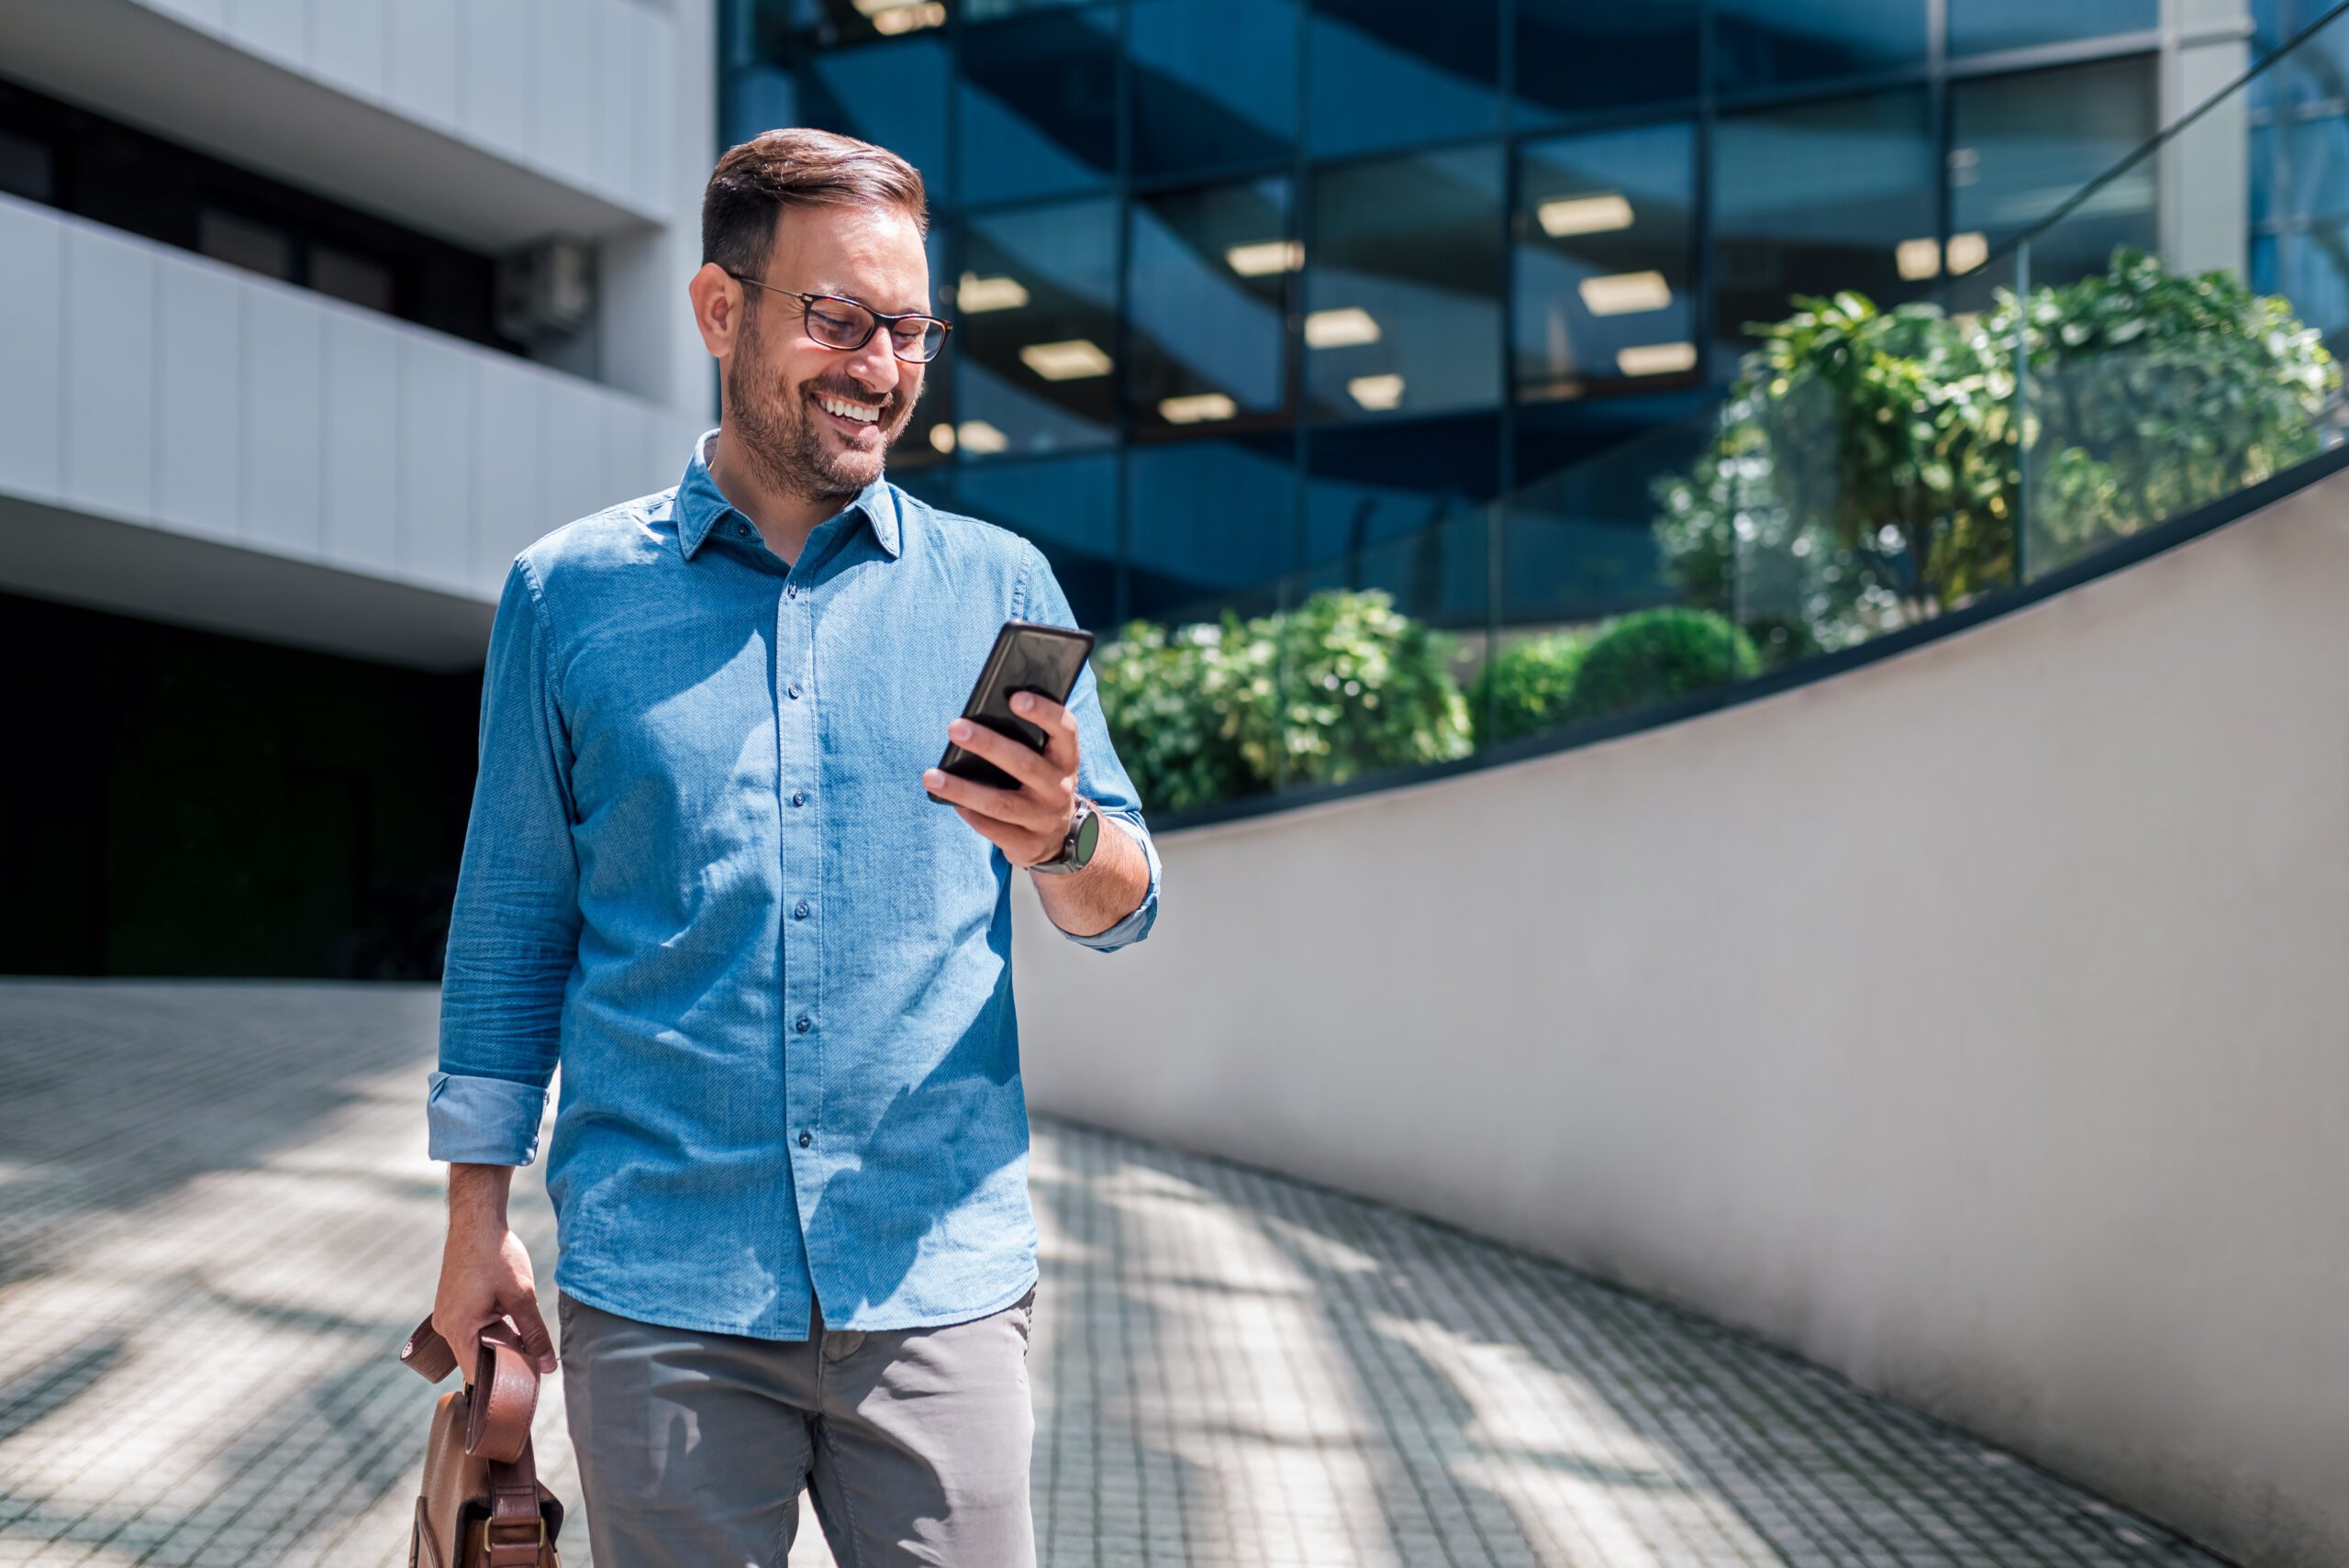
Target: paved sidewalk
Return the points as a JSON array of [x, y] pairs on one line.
[[216, 1221]]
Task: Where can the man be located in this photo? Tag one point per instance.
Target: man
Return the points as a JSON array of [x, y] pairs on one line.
[[789, 1163]]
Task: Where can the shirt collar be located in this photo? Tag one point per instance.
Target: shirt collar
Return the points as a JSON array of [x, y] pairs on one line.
[[700, 505]]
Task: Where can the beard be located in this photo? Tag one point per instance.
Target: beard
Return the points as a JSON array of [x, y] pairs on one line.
[[784, 433]]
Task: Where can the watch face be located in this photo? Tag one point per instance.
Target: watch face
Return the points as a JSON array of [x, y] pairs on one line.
[[1088, 833]]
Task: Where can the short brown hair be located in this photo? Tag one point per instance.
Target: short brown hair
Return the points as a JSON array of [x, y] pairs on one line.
[[798, 167]]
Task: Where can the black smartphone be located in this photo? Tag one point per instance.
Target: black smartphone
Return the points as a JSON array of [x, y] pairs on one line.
[[1027, 657]]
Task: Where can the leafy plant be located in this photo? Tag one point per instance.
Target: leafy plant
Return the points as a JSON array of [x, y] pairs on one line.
[[1523, 689], [2152, 395], [1169, 700], [1343, 685], [1869, 468], [1653, 656], [1360, 686]]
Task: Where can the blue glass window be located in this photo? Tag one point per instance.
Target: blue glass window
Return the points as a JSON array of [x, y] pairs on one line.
[[1068, 508], [1403, 284], [1579, 539], [1821, 196], [827, 23], [2021, 145], [1387, 73], [1211, 273], [1773, 43], [757, 98], [1214, 83], [1574, 57], [1036, 111], [1605, 261], [1206, 519], [1984, 27], [930, 435], [755, 32], [981, 10], [1367, 486], [1036, 327], [894, 94], [933, 483]]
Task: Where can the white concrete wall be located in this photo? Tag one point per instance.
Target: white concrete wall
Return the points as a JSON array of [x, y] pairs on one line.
[[1975, 1023], [492, 124], [577, 93], [186, 440], [576, 89], [149, 386]]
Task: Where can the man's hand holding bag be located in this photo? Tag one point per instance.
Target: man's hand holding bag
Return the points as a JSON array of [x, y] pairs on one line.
[[482, 1505]]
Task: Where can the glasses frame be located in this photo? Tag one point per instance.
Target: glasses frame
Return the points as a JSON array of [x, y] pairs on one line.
[[880, 319]]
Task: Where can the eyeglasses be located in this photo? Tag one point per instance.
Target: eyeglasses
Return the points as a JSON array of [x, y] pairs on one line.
[[839, 323]]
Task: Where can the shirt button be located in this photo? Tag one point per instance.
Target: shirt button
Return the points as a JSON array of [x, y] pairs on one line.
[[791, 591], [799, 910], [806, 1139], [793, 690], [799, 798], [802, 1025]]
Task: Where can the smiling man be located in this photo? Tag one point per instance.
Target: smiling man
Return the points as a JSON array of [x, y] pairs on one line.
[[789, 1164]]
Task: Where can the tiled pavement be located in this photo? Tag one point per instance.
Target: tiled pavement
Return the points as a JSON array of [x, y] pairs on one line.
[[216, 1221]]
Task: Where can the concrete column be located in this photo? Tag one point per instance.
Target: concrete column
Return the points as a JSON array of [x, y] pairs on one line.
[[2205, 171]]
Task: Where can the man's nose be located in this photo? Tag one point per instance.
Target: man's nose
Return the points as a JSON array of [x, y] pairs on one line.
[[874, 366]]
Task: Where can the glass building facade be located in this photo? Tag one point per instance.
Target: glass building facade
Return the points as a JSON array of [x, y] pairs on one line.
[[1260, 289]]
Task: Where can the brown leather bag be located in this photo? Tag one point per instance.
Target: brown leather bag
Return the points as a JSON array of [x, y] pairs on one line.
[[482, 1505]]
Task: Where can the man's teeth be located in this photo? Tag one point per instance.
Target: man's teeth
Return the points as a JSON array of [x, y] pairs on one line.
[[856, 411]]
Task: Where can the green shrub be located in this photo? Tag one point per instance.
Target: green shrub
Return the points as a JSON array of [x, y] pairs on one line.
[[1653, 656], [1169, 703], [1346, 685], [1524, 689], [1341, 686], [1868, 470]]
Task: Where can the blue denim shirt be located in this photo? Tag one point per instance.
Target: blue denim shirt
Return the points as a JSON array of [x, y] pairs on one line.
[[702, 875]]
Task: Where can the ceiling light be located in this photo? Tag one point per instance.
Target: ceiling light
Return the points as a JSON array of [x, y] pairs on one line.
[[978, 435], [1264, 257], [1625, 294], [1968, 250], [1199, 405], [1341, 328], [1917, 259], [1375, 391], [1072, 359], [889, 19], [1658, 359], [943, 436], [1570, 216], [977, 294]]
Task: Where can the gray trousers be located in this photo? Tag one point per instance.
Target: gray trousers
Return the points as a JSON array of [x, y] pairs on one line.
[[694, 1447]]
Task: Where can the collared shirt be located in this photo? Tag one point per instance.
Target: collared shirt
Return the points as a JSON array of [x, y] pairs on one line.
[[703, 874]]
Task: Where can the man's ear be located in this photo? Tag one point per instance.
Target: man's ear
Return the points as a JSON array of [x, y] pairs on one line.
[[717, 303]]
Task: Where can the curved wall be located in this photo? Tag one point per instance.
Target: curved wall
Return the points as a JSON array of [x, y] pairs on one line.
[[1975, 1023]]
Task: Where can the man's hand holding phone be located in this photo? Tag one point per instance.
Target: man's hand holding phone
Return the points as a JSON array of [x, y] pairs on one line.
[[1028, 822]]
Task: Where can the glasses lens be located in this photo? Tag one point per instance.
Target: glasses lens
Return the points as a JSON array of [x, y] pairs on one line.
[[837, 324], [919, 340]]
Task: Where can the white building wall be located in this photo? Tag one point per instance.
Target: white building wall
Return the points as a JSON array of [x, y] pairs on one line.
[[1975, 1023], [153, 387], [250, 427], [578, 94]]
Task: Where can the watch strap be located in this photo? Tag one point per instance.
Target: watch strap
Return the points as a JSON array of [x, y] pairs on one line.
[[1065, 861]]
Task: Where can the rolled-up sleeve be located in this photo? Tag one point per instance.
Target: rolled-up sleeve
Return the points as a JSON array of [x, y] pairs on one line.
[[514, 932], [1101, 778]]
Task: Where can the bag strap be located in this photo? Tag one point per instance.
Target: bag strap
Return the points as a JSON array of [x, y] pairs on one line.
[[516, 1530], [506, 1387]]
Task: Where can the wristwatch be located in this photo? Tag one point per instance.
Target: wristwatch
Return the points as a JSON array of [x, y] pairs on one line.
[[1076, 850]]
